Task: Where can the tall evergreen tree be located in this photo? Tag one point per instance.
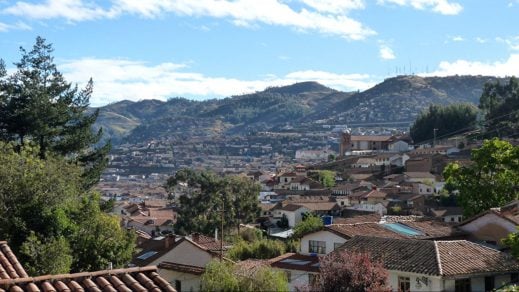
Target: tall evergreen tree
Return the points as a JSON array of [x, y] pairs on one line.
[[500, 103], [39, 106]]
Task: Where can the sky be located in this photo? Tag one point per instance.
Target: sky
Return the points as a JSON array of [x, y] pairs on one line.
[[203, 49]]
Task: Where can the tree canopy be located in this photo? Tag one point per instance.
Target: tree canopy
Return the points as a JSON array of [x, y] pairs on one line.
[[449, 119], [491, 179], [500, 104], [309, 224], [51, 221], [348, 271], [37, 105], [225, 276], [206, 195]]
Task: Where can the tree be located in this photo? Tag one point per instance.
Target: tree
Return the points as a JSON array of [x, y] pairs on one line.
[[283, 222], [38, 105], [50, 220], [450, 119], [259, 249], [225, 276], [350, 271], [490, 181], [310, 224], [500, 104], [512, 241], [207, 194], [327, 178]]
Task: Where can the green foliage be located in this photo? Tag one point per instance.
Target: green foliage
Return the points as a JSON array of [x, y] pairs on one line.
[[225, 276], [43, 201], [283, 222], [490, 181], [293, 245], [327, 178], [500, 103], [208, 193], [259, 249], [454, 118], [310, 224], [251, 234], [38, 105], [512, 241], [52, 256]]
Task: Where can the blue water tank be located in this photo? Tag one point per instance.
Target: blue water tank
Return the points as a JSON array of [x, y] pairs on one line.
[[327, 220]]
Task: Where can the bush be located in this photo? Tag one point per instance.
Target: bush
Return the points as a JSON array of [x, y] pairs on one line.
[[260, 249]]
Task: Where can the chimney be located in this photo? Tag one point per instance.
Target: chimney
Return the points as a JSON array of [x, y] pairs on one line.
[[196, 237], [169, 240]]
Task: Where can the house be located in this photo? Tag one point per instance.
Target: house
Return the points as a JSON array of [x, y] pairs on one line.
[[492, 225], [448, 214], [421, 177], [370, 142], [398, 146], [14, 278], [181, 260], [436, 265], [303, 183], [301, 270], [293, 212], [419, 164]]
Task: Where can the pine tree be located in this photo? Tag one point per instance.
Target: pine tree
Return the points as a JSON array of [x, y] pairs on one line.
[[37, 105]]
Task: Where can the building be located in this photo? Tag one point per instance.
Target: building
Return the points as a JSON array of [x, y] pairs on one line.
[[427, 265]]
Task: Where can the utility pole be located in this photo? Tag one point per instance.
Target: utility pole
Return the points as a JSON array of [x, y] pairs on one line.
[[221, 236], [434, 135]]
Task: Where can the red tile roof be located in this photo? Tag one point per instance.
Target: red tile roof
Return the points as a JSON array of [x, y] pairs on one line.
[[132, 279], [439, 258], [189, 269], [370, 229], [10, 267]]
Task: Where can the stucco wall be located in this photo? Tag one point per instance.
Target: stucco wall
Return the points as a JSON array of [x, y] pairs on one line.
[[327, 236], [185, 253], [489, 227]]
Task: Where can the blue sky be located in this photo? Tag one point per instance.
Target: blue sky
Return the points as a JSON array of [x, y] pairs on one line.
[[200, 49]]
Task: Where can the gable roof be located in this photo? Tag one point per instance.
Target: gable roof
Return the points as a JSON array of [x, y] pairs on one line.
[[132, 279], [348, 231], [293, 261], [10, 267], [372, 138], [292, 207], [437, 258]]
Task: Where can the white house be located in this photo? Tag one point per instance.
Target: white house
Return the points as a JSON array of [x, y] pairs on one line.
[[426, 265], [398, 146], [293, 212]]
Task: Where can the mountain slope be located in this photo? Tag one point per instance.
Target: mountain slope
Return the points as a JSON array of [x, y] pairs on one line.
[[397, 99]]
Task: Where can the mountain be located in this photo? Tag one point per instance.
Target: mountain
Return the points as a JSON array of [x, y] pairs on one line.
[[297, 106]]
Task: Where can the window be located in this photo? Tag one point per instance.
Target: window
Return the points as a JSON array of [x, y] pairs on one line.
[[489, 283], [178, 285], [462, 285], [336, 245], [404, 284], [315, 246]]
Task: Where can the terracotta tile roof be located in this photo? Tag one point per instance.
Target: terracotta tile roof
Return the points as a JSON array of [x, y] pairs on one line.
[[293, 261], [440, 258], [208, 243], [188, 269], [369, 218], [407, 255], [10, 267], [292, 207], [415, 174], [369, 229], [436, 229], [133, 279], [321, 206], [461, 257]]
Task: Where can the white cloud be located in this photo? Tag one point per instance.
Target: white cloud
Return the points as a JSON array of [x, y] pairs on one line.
[[386, 53], [334, 6], [481, 40], [508, 67], [71, 10], [239, 12], [17, 26], [439, 6], [511, 42], [457, 38], [123, 79]]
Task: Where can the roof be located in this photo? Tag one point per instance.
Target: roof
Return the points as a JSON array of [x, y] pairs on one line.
[[371, 229], [508, 212], [10, 267], [447, 211], [188, 269], [438, 258], [207, 243], [414, 174], [321, 206], [292, 207], [372, 138], [293, 261], [371, 218], [132, 279]]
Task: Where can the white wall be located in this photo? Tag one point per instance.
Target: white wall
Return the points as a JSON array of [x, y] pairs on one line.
[[489, 227], [189, 282], [185, 253], [434, 283], [323, 235]]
